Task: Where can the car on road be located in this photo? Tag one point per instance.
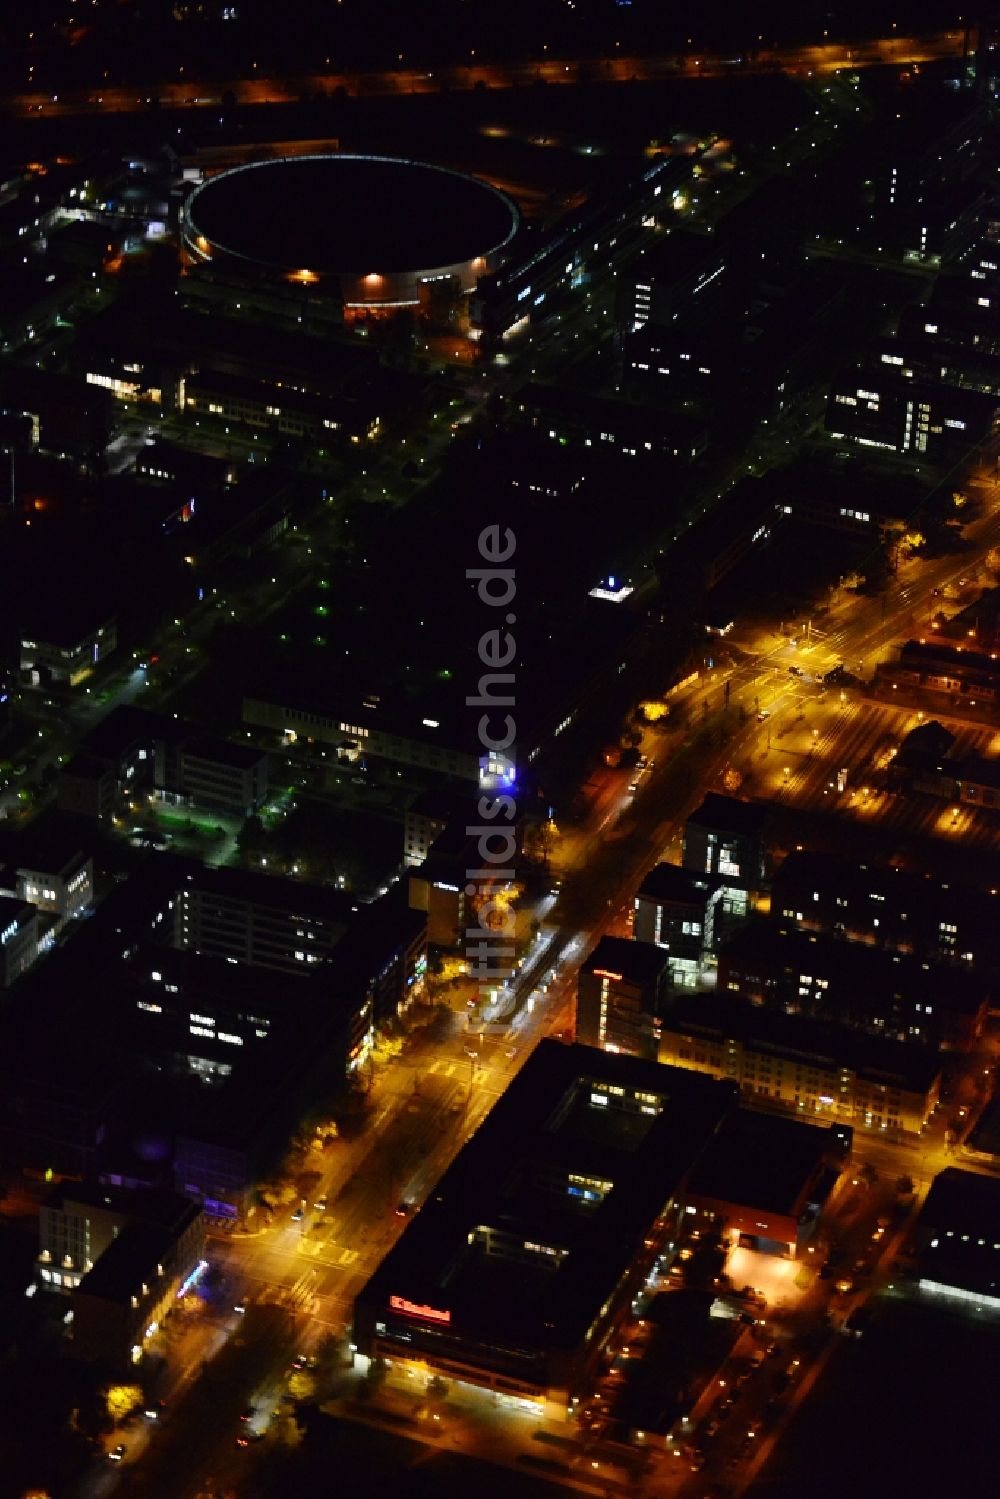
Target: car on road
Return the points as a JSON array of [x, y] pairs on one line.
[[712, 1427], [858, 1322], [320, 1206], [795, 671], [698, 1461], [763, 715], [404, 1209], [297, 1216], [117, 1453]]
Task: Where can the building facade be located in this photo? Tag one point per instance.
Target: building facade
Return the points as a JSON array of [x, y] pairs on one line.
[[621, 993], [814, 1071]]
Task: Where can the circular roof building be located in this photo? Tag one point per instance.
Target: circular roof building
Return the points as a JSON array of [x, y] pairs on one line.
[[381, 226]]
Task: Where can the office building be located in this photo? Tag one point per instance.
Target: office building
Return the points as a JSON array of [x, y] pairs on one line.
[[763, 1181], [887, 907], [273, 409], [200, 475], [803, 1066], [365, 731], [588, 239], [716, 544], [176, 760], [215, 773], [931, 146], [544, 472], [925, 359], [78, 1221], [32, 300], [725, 837], [621, 993], [18, 938], [65, 643], [425, 819], [958, 1238], [119, 1305], [672, 279], [50, 870], [517, 1271], [256, 919], [86, 787], [871, 989], [576, 418], [677, 910], [876, 407]]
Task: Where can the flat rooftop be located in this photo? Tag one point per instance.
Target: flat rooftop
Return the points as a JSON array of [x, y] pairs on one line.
[[873, 970], [729, 814], [669, 882], [635, 962], [764, 1160], [152, 1207], [273, 892], [679, 255], [127, 1264], [960, 1230], [568, 1172], [967, 1202], [985, 1133]]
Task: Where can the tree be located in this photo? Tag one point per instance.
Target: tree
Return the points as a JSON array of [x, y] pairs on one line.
[[120, 1399], [301, 1385], [277, 1194]]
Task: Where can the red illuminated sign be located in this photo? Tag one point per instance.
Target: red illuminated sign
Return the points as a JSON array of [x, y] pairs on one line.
[[411, 1309]]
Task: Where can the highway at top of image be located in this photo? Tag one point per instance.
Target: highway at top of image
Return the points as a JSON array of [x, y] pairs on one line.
[[188, 92]]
